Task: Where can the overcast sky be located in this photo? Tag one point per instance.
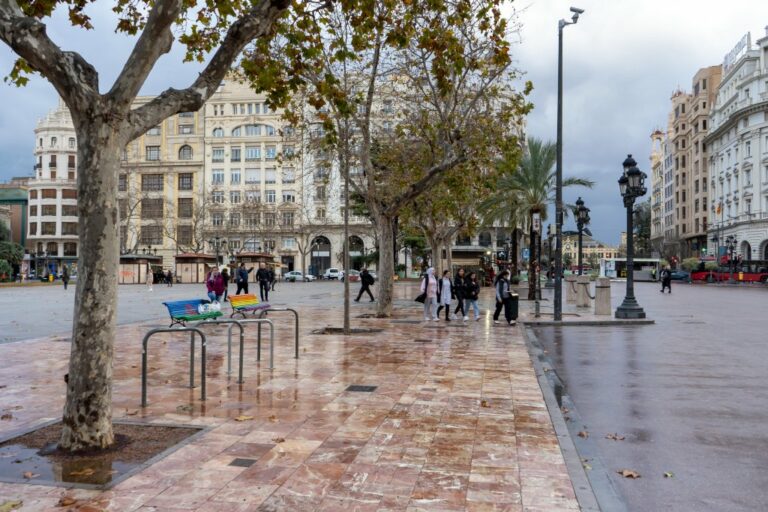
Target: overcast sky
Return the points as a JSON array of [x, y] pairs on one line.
[[622, 62]]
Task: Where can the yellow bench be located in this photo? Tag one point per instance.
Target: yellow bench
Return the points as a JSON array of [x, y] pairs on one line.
[[248, 303]]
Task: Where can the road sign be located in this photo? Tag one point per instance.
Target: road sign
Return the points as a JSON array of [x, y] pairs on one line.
[[526, 253]]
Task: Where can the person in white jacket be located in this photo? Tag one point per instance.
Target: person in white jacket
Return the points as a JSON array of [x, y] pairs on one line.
[[445, 294], [429, 286]]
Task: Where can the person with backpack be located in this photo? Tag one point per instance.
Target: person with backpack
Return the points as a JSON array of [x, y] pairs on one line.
[[471, 295], [225, 276], [503, 298], [65, 276], [366, 281], [262, 276], [444, 295], [666, 279], [459, 289], [241, 278]]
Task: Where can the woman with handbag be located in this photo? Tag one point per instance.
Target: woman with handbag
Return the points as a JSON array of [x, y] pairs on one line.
[[472, 294], [429, 291]]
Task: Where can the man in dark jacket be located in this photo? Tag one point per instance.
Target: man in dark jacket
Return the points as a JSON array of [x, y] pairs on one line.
[[366, 281], [262, 276], [242, 278]]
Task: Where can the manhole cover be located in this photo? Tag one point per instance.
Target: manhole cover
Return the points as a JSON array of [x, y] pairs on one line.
[[243, 463], [362, 389]]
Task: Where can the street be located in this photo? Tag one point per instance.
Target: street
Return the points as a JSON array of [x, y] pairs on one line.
[[687, 393]]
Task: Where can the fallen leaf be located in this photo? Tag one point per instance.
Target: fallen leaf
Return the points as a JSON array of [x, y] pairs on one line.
[[29, 475], [66, 501], [564, 410], [184, 408], [628, 473], [273, 419], [84, 472], [7, 416], [587, 466], [583, 434], [484, 403], [133, 412], [278, 440], [615, 437], [244, 418], [7, 506], [669, 474]]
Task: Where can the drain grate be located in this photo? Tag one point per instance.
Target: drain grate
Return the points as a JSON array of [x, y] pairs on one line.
[[362, 389], [243, 463], [422, 340]]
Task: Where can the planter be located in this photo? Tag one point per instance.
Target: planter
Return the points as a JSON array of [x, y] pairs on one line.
[[401, 274]]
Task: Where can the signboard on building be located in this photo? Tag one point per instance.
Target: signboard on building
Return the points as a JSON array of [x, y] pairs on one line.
[[740, 49]]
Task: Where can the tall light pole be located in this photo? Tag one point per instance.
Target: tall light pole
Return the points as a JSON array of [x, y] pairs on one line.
[[631, 186], [730, 246], [217, 244], [559, 172], [582, 219]]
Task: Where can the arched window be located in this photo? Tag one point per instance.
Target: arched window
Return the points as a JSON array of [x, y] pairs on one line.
[[485, 239], [269, 129], [236, 132], [71, 143], [252, 130], [185, 153], [53, 142], [218, 132]]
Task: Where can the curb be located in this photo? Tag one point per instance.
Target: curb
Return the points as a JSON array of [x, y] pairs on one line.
[[567, 323]]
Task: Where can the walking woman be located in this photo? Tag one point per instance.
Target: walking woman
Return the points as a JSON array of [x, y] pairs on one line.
[[503, 298], [429, 286], [459, 289], [444, 295], [225, 277], [471, 294]]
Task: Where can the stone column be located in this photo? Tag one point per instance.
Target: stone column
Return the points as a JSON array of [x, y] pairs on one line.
[[582, 292], [570, 291], [603, 296]]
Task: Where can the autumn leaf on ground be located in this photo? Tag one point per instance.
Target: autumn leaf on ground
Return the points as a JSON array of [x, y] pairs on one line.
[[7, 506], [484, 403], [669, 474], [29, 475], [184, 408], [583, 434], [66, 501], [628, 473], [564, 410], [84, 472], [244, 418], [6, 417], [278, 440], [273, 419], [615, 437], [133, 412]]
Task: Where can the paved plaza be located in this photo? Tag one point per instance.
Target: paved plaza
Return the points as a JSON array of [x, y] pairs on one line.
[[457, 421]]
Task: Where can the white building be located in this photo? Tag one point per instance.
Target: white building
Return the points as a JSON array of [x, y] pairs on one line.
[[738, 144]]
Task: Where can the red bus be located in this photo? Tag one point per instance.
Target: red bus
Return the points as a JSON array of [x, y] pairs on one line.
[[745, 271]]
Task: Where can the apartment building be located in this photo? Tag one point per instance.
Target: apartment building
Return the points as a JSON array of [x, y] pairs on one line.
[[738, 152], [658, 140]]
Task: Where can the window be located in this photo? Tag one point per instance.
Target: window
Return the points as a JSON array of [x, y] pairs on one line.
[[53, 175], [387, 125], [236, 131], [287, 219], [253, 196], [217, 197], [49, 193], [696, 187], [696, 206], [33, 228], [269, 129], [252, 219], [234, 197], [185, 181], [235, 176], [217, 176], [217, 219], [234, 154], [68, 194], [269, 245], [184, 235], [252, 176], [234, 219], [53, 142], [289, 196], [270, 152], [187, 114], [69, 228], [218, 155], [252, 130], [153, 153], [49, 228], [288, 151], [151, 235], [269, 219], [270, 176], [72, 143], [320, 213], [52, 248], [252, 153], [186, 129], [151, 182], [185, 153], [52, 163], [151, 208], [33, 210], [154, 131], [289, 176], [270, 196], [33, 194], [184, 207], [387, 108], [218, 132], [289, 243], [288, 131], [748, 148], [122, 208], [70, 249], [71, 162], [48, 210]]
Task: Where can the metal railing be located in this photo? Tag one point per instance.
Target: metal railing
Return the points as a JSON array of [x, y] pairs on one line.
[[192, 331], [296, 327]]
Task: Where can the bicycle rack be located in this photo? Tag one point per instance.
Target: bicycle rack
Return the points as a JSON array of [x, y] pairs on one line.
[[260, 321], [192, 331], [296, 325], [231, 323]]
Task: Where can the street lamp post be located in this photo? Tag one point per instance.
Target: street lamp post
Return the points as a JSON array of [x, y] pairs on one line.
[[217, 243], [550, 269], [582, 219], [631, 186], [559, 171], [730, 246]]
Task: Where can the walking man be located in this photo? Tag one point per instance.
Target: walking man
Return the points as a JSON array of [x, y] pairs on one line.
[[366, 281], [169, 278], [262, 276], [666, 280], [242, 278], [65, 276]]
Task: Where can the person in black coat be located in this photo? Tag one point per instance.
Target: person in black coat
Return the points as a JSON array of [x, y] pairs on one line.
[[262, 276], [366, 281], [460, 290], [242, 278]]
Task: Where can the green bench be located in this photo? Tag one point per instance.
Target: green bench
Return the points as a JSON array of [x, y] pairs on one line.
[[183, 311]]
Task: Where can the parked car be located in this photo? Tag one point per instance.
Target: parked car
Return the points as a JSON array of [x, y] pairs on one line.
[[331, 273], [680, 275], [354, 275], [295, 275]]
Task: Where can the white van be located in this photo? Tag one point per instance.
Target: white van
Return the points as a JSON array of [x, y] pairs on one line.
[[331, 273]]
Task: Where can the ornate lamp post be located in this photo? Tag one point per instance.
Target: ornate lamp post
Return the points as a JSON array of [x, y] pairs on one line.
[[631, 186], [730, 247], [582, 219], [218, 243]]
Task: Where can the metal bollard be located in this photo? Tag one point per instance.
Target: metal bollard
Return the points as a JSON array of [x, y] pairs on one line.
[[603, 296]]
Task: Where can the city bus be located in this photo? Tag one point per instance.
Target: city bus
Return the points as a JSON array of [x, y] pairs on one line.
[[645, 269], [745, 271]]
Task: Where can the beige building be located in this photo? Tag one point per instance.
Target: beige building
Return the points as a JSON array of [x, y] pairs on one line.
[[591, 248]]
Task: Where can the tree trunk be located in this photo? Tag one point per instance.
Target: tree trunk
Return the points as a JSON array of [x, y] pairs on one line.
[[386, 266], [448, 253], [532, 263], [87, 419], [514, 249]]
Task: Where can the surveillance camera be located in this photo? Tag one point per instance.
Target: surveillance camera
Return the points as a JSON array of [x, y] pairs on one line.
[[577, 10]]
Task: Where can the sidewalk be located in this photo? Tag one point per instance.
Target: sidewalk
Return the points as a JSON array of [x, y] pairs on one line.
[[457, 423]]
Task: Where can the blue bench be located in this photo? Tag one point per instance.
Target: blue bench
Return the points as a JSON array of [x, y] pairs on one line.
[[183, 311]]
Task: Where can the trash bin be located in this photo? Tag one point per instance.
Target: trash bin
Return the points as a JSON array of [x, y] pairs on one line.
[[50, 278], [514, 304]]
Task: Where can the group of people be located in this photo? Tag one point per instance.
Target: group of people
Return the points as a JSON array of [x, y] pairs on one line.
[[439, 294], [217, 282]]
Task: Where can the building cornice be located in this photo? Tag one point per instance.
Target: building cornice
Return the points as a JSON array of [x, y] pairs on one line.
[[733, 120]]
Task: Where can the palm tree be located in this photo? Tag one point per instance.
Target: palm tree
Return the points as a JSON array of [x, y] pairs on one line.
[[529, 190]]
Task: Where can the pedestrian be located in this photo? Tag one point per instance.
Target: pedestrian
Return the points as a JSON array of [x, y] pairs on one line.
[[444, 295], [459, 289], [242, 278], [65, 276], [169, 278], [150, 277], [666, 279], [225, 276], [214, 282], [429, 287], [272, 279], [471, 295], [503, 298], [262, 276], [366, 281]]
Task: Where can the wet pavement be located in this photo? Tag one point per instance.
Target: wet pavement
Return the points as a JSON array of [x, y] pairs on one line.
[[456, 421], [688, 394]]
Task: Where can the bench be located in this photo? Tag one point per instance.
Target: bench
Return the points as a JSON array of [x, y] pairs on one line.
[[247, 303], [183, 311]]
